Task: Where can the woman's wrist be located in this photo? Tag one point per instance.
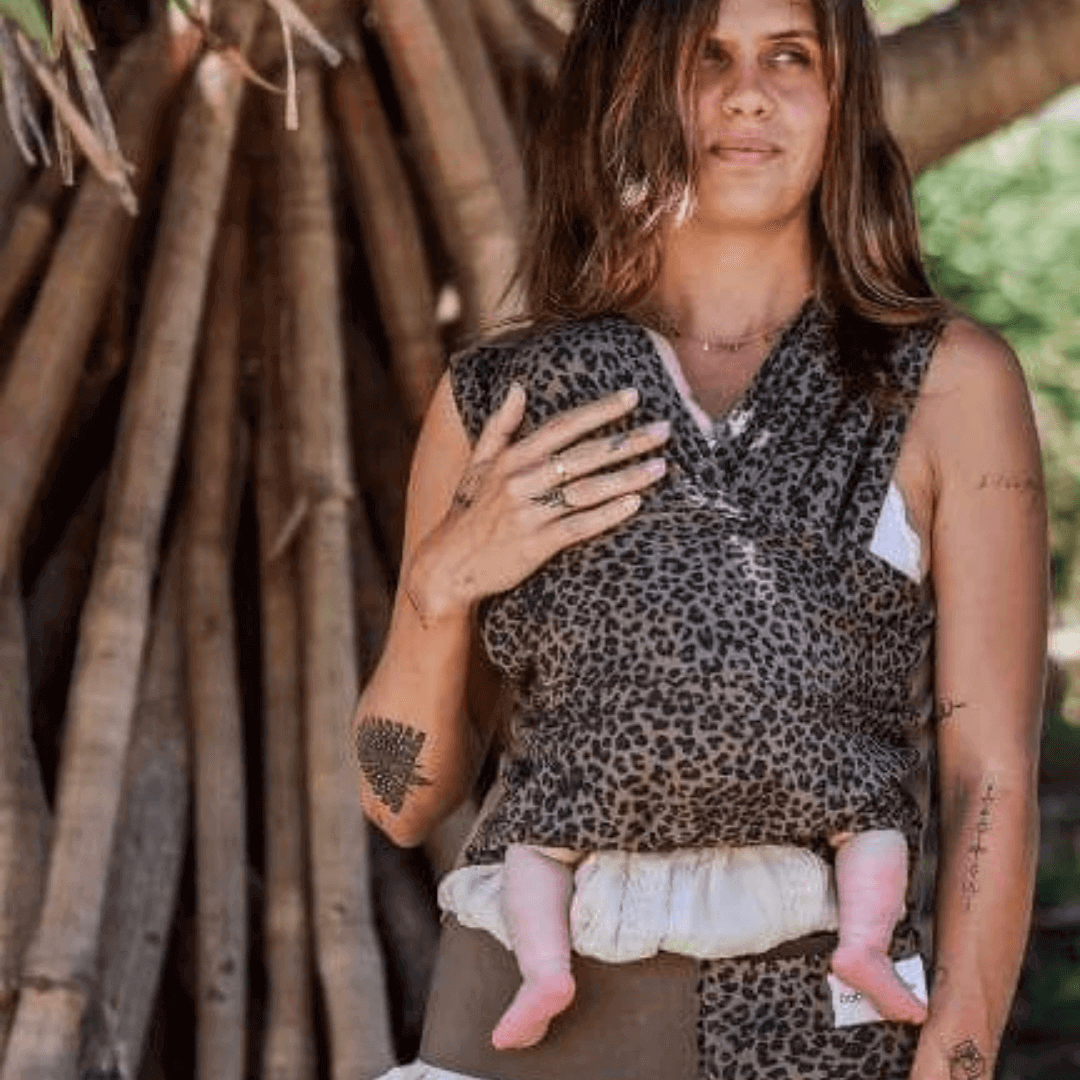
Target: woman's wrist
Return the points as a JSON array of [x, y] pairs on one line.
[[434, 594], [958, 1042]]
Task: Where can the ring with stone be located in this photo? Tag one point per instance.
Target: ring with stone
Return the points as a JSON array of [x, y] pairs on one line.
[[561, 470]]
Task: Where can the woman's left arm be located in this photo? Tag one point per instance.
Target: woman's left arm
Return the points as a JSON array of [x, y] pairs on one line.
[[989, 564]]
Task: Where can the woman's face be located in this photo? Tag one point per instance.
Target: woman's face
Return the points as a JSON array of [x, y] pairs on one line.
[[763, 114]]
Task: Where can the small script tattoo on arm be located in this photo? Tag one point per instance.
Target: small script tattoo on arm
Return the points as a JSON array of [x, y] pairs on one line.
[[948, 707], [966, 1062], [1008, 482], [969, 886], [387, 752]]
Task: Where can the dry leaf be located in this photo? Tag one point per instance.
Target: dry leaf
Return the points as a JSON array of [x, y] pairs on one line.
[[289, 13], [65, 155], [111, 168], [21, 113], [292, 113]]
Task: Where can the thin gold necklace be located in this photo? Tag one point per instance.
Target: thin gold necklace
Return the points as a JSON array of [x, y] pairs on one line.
[[667, 326]]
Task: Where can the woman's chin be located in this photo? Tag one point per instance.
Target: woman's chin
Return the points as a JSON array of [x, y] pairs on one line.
[[745, 214]]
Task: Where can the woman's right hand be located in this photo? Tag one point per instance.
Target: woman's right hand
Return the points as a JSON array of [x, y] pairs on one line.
[[519, 503]]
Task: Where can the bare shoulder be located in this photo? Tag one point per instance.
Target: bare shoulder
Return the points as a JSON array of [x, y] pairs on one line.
[[442, 452], [974, 417], [971, 359]]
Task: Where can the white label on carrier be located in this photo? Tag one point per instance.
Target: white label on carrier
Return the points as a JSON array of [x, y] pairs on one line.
[[850, 1007]]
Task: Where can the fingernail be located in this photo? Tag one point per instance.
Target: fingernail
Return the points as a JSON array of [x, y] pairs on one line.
[[633, 502], [630, 396], [660, 430], [656, 467]]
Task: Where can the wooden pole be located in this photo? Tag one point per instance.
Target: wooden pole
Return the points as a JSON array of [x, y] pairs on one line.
[[392, 240], [477, 226], [288, 1049], [513, 41], [213, 683], [148, 852], [348, 955], [44, 1038], [461, 31], [381, 439], [59, 590], [24, 815], [44, 373]]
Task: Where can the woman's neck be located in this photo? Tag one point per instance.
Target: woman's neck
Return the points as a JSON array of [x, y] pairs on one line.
[[713, 286]]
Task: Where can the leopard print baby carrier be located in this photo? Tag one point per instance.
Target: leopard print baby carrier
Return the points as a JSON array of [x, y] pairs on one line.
[[733, 665]]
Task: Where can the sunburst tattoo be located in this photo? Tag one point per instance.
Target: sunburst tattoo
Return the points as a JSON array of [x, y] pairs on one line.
[[387, 752]]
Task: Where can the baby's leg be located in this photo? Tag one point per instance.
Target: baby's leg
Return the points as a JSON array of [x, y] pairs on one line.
[[537, 884], [871, 878]]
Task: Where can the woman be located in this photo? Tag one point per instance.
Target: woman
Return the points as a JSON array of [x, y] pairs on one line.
[[718, 515]]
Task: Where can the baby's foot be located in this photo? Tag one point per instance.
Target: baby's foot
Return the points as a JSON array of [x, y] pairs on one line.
[[871, 972], [537, 1001]]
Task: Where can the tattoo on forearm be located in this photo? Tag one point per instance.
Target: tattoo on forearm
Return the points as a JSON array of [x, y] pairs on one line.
[[1004, 482], [966, 1062], [969, 885], [387, 752], [947, 707]]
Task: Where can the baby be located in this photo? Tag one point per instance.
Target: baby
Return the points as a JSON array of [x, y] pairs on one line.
[[871, 879]]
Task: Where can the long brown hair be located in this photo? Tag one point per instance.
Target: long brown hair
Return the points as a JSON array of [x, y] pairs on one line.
[[615, 154]]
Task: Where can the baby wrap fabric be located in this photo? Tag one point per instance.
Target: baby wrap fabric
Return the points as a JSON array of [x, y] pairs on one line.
[[742, 668], [733, 665]]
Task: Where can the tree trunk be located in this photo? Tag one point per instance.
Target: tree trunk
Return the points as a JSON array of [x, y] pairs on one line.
[[965, 71]]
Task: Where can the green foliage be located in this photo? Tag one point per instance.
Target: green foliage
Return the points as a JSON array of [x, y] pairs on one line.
[[889, 14], [1059, 880], [1059, 760], [1001, 232], [31, 17], [1051, 986]]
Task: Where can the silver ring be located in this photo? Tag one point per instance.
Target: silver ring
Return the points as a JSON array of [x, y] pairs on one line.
[[561, 470], [556, 496]]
